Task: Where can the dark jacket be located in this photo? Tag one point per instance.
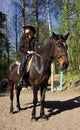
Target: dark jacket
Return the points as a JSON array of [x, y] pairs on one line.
[[26, 44]]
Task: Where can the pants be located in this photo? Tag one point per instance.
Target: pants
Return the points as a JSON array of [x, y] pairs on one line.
[[22, 65]]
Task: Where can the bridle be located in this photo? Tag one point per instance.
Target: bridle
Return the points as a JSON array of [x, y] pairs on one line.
[[58, 57], [51, 60], [65, 54]]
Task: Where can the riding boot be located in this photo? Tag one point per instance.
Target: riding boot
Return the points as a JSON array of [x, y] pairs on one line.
[[20, 79], [21, 71]]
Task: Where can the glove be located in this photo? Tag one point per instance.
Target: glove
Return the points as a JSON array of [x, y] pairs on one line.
[[30, 52]]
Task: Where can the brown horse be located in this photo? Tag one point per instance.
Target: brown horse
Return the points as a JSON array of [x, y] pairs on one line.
[[54, 47]]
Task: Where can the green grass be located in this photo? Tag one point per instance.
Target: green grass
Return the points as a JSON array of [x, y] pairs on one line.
[[72, 78]]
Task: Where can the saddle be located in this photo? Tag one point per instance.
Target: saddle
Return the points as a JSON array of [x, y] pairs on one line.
[[27, 66]]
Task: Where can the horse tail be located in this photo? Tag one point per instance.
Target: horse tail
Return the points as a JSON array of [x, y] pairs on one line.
[[12, 69], [12, 74], [9, 72]]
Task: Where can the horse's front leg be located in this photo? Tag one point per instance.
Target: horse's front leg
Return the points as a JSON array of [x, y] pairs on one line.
[[42, 113], [11, 96], [34, 102], [18, 90]]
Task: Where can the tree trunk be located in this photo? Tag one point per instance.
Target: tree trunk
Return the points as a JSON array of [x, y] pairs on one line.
[[44, 19], [66, 20], [23, 15], [16, 32], [50, 33], [77, 12], [66, 15], [49, 20], [7, 42], [37, 22], [77, 36]]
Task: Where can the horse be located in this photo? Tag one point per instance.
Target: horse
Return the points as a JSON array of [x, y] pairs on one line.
[[54, 47]]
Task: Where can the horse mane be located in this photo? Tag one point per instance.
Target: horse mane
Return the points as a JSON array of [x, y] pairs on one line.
[[45, 47]]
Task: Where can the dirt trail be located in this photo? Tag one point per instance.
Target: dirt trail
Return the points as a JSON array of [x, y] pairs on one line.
[[63, 109]]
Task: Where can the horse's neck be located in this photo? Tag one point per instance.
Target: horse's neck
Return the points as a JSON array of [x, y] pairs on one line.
[[45, 50], [42, 65], [42, 62]]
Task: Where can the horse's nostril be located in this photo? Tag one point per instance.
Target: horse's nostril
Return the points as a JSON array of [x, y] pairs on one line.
[[64, 66]]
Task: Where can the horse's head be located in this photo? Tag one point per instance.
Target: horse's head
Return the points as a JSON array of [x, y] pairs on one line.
[[59, 49]]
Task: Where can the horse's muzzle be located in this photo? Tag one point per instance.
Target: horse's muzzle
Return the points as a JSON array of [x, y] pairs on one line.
[[64, 66]]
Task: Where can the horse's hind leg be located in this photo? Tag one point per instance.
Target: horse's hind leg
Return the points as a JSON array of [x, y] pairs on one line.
[[18, 90], [11, 84]]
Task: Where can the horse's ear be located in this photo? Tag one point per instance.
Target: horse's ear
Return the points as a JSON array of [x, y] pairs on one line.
[[66, 36], [54, 35]]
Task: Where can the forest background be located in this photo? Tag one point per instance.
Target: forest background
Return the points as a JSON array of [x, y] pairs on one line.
[[60, 16]]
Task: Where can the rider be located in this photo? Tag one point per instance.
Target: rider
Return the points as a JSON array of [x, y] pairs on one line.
[[26, 47]]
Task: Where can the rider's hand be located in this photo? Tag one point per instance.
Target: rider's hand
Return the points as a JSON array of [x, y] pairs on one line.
[[30, 52]]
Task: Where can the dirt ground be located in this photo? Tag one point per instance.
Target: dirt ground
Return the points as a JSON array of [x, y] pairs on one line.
[[63, 109]]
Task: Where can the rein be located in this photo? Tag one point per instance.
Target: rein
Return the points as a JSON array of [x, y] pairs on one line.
[[51, 60], [35, 53], [43, 57]]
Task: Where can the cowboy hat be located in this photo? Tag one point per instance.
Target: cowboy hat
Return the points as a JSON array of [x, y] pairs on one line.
[[30, 27]]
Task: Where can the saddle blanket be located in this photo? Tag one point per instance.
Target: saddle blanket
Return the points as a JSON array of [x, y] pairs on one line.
[[28, 66]]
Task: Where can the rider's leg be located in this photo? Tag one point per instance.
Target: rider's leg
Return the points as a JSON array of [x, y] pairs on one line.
[[22, 68]]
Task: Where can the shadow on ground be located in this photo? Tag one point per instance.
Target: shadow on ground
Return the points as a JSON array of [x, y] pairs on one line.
[[56, 107]]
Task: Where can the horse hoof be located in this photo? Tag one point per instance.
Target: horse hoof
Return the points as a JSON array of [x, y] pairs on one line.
[[34, 119], [44, 117], [11, 111], [19, 108]]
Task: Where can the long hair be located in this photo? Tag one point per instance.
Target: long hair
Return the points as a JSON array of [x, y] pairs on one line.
[[26, 42]]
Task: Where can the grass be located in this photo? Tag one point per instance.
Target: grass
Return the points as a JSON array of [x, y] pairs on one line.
[[72, 78]]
